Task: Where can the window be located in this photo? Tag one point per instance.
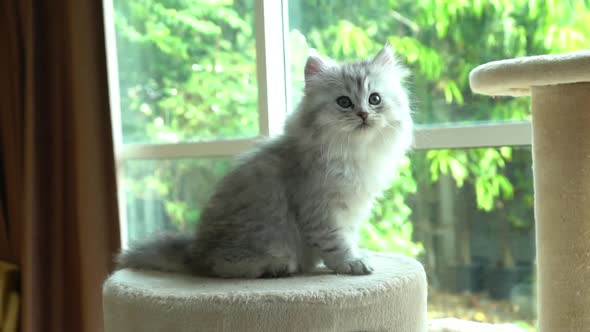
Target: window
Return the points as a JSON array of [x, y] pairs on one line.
[[196, 82], [190, 89]]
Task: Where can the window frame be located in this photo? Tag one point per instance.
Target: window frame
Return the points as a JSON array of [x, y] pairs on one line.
[[272, 59]]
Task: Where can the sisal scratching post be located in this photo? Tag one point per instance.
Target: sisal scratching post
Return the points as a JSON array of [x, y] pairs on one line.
[[393, 298], [559, 86]]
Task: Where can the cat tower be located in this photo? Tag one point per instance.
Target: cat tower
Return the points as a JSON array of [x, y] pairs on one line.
[[559, 86], [393, 298]]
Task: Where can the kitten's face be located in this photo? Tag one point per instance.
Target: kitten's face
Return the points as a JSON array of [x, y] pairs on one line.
[[357, 99]]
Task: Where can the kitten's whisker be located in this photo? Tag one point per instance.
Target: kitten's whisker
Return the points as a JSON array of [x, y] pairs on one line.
[[348, 139], [328, 158], [343, 150], [382, 137], [348, 122], [387, 124]]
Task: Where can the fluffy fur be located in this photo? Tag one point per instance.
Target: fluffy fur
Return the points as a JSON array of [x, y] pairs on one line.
[[298, 199]]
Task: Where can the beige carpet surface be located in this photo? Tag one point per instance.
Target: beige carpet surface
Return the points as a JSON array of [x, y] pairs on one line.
[[393, 298]]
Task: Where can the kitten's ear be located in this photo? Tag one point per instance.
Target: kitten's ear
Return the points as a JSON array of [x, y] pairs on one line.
[[315, 64], [385, 57]]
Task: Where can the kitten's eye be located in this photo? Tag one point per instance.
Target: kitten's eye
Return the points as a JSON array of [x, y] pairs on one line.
[[374, 99], [344, 102]]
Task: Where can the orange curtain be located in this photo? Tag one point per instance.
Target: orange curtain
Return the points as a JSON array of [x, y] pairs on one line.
[[58, 207]]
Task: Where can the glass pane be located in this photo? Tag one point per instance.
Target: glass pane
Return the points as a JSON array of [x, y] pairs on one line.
[[442, 41], [468, 216], [187, 70], [168, 194]]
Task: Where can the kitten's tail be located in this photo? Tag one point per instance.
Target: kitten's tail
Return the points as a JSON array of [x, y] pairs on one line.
[[170, 253]]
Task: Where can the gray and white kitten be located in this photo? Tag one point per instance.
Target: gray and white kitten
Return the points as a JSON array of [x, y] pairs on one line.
[[298, 199]]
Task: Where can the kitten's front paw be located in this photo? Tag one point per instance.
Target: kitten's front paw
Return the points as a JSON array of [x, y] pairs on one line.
[[357, 266]]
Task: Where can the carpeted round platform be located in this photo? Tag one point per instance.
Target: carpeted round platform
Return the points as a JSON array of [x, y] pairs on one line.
[[393, 298], [516, 77]]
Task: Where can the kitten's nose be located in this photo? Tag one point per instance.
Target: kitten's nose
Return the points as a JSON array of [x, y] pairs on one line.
[[363, 115]]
